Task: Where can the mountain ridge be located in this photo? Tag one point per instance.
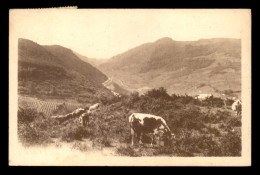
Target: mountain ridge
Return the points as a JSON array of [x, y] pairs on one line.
[[56, 71], [165, 61]]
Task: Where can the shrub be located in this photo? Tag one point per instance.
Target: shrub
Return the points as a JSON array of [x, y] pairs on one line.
[[234, 122], [127, 151], [73, 133], [158, 93], [33, 128], [231, 145], [26, 115]]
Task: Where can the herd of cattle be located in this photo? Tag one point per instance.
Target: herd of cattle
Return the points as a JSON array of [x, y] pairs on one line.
[[153, 126]]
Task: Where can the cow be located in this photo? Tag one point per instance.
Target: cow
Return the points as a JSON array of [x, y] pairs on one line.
[[84, 119], [237, 107], [203, 96], [148, 124], [93, 107]]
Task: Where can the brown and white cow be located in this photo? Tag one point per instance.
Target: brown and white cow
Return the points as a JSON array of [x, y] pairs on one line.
[[141, 124]]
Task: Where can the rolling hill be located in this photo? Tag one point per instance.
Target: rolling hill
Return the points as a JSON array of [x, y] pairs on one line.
[[191, 67], [55, 71]]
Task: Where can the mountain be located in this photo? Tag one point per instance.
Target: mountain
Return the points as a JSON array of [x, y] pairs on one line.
[[191, 67], [93, 61], [55, 71]]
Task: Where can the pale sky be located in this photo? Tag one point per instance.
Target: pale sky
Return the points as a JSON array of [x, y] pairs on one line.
[[104, 33]]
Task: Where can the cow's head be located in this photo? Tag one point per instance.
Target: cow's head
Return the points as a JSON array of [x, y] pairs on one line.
[[169, 135]]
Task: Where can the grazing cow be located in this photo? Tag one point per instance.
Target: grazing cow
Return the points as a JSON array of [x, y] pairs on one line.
[[237, 107], [84, 119], [148, 124], [203, 96], [93, 107]]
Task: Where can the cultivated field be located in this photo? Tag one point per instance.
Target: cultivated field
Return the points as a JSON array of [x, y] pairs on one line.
[[46, 106]]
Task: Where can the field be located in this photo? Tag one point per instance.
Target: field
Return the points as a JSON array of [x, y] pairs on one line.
[[202, 128], [47, 107]]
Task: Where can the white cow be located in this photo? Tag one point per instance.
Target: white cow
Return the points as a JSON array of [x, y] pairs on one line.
[[237, 107], [203, 96], [93, 107], [148, 124]]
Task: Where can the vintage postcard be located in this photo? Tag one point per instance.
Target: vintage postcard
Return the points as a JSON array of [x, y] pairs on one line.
[[129, 87]]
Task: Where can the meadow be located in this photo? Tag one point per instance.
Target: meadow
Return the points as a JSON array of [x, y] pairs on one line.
[[207, 128]]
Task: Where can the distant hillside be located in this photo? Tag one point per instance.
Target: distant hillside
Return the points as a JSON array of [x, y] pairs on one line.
[[192, 67], [115, 87], [55, 71], [93, 61]]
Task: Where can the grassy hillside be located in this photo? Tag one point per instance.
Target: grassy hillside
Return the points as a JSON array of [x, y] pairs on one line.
[[55, 71], [202, 128], [191, 67]]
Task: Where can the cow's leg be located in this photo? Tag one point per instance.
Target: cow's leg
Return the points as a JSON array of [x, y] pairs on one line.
[[140, 137], [132, 136], [152, 138], [82, 121]]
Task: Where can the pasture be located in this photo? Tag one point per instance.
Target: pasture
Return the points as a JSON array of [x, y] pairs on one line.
[[201, 128]]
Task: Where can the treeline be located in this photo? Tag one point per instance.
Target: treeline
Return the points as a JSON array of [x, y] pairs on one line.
[[161, 93]]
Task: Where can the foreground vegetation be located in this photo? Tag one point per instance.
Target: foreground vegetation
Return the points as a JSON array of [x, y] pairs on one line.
[[205, 128]]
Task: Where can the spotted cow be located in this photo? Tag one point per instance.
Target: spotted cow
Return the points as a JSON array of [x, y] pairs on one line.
[[155, 126]]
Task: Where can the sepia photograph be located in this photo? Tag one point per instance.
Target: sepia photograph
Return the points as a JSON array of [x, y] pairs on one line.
[[129, 87]]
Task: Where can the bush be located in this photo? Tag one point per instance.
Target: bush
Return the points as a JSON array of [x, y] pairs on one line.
[[73, 133], [231, 145], [26, 115], [158, 93], [33, 128], [234, 122], [127, 151]]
